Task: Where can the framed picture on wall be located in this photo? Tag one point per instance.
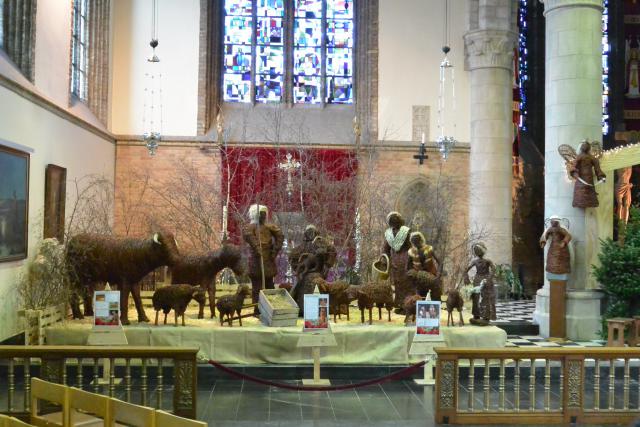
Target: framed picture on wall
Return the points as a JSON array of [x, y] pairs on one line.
[[14, 204], [55, 193]]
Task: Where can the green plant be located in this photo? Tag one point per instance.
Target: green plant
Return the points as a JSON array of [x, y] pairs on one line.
[[619, 270], [504, 273], [43, 282]]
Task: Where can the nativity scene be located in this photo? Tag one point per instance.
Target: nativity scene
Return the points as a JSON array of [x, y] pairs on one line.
[[246, 211]]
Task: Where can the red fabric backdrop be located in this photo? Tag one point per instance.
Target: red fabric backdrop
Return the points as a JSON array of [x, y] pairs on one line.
[[326, 180]]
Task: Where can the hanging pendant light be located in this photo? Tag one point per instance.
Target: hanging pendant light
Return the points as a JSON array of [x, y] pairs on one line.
[[446, 97], [152, 109]]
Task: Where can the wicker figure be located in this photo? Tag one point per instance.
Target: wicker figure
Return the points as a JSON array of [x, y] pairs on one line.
[[484, 296], [375, 294], [310, 233], [265, 241], [423, 273], [176, 298], [312, 266], [558, 255], [340, 296], [582, 167], [396, 246], [410, 308], [228, 305], [454, 302], [93, 259], [623, 193]]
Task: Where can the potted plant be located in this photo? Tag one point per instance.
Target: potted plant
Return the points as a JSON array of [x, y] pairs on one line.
[[508, 285], [44, 290], [618, 271]]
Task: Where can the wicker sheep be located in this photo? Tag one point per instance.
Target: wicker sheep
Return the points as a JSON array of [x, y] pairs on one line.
[[201, 270], [409, 305], [228, 305], [94, 259], [378, 294], [176, 297], [454, 302], [339, 296]]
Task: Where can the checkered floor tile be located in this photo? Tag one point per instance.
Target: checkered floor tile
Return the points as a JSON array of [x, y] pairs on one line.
[[531, 341], [515, 311]]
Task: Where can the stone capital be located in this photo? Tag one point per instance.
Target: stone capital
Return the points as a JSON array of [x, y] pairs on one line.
[[489, 49], [554, 5]]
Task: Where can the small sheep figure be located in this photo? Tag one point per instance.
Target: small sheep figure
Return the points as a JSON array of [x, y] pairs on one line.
[[229, 304], [409, 306], [378, 294], [176, 297], [454, 302], [339, 296]]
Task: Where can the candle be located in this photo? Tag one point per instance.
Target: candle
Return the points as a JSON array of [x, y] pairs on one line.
[[422, 138], [224, 219]]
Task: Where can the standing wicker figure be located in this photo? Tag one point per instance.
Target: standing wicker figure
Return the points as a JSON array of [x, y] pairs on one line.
[[310, 233], [558, 255], [623, 193], [265, 240], [484, 297], [311, 267], [423, 273], [582, 167], [396, 246]]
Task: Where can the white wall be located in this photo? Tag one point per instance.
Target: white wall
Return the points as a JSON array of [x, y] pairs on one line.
[[53, 47], [52, 138], [179, 28], [410, 42]]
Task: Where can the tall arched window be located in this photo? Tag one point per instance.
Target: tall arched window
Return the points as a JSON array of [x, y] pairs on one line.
[[80, 49], [314, 37]]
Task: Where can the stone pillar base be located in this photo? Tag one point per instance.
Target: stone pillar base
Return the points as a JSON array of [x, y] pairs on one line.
[[583, 318]]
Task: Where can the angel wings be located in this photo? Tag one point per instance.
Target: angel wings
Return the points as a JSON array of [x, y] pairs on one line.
[[569, 154]]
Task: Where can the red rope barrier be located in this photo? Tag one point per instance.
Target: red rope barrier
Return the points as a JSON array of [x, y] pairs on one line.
[[396, 375]]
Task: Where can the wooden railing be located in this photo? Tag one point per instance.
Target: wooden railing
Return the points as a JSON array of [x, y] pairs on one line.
[[142, 370], [538, 385]]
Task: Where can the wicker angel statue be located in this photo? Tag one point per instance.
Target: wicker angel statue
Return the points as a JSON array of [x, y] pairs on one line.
[[582, 167]]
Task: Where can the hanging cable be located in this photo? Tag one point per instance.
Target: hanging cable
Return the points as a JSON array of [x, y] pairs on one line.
[[154, 20]]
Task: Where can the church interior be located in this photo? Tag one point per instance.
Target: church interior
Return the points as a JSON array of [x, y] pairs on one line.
[[319, 212]]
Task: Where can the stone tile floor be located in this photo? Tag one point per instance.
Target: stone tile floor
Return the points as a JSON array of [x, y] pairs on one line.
[[236, 403], [231, 403]]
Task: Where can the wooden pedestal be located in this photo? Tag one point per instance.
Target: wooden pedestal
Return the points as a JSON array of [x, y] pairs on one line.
[[557, 309]]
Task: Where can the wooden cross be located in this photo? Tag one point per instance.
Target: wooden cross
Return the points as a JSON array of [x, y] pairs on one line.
[[422, 154]]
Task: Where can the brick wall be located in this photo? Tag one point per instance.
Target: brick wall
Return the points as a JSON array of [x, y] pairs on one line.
[[142, 196], [395, 169], [178, 188], [386, 175]]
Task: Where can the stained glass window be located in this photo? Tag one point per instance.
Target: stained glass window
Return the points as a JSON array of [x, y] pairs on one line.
[[80, 48], [238, 29], [322, 56], [269, 50], [523, 62], [605, 68], [323, 51]]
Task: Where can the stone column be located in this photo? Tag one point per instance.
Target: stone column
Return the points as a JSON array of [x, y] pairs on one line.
[[573, 112], [489, 45]]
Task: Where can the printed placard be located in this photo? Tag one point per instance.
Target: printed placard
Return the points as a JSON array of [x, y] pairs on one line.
[[316, 312], [428, 318], [106, 308]]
